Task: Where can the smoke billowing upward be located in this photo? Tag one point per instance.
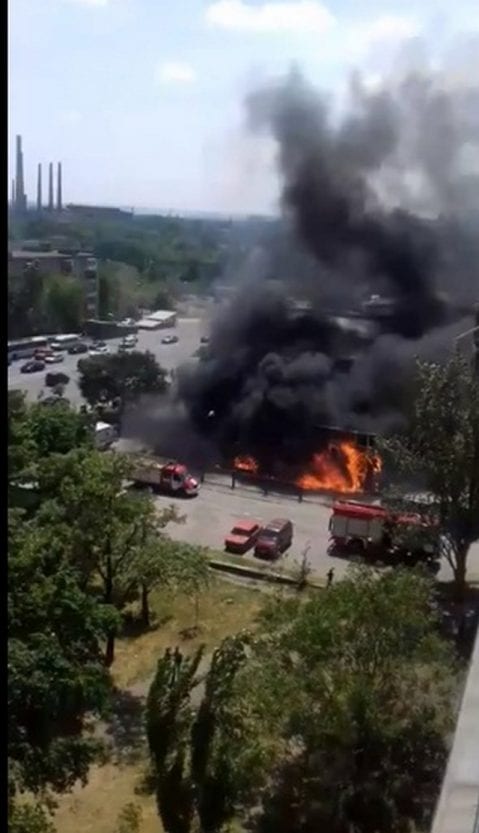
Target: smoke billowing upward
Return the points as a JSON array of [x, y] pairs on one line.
[[275, 371]]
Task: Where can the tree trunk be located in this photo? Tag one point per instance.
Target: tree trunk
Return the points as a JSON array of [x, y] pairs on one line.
[[108, 597], [460, 573], [110, 649], [145, 607]]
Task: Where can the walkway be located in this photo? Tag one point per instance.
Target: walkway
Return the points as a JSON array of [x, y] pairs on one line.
[[458, 807]]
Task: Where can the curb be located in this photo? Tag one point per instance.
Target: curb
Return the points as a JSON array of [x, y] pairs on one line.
[[262, 575]]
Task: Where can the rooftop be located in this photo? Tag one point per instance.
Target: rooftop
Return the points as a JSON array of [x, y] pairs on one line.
[[26, 254], [161, 315]]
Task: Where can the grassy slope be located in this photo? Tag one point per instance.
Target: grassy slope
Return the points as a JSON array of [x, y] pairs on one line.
[[224, 609]]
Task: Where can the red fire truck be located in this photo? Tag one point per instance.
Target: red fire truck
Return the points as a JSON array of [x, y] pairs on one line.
[[369, 531], [170, 477]]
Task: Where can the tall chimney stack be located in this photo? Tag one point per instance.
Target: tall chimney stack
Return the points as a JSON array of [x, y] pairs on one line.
[[50, 186], [20, 199], [39, 188], [13, 193], [59, 187]]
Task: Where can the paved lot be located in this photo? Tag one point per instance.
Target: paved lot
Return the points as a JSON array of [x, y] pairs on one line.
[[188, 330], [210, 516]]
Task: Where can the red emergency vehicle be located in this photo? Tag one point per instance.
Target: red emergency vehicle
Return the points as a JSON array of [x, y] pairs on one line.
[[170, 477], [367, 530]]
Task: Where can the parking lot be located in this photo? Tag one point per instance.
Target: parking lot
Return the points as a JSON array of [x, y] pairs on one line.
[[188, 330], [211, 515]]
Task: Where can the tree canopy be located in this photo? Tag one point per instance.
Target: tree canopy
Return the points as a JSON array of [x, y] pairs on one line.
[[332, 717], [441, 445], [122, 376], [56, 674]]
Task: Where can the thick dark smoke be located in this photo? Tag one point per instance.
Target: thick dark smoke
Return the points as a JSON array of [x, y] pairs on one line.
[[277, 372]]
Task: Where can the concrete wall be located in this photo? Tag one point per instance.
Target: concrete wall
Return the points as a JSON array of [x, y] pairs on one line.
[[458, 807]]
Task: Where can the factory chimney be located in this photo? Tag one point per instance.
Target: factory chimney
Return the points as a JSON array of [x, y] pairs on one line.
[[39, 188], [59, 187], [20, 198], [50, 186], [13, 193]]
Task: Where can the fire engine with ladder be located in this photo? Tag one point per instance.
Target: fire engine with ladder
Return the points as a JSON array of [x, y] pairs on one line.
[[378, 534]]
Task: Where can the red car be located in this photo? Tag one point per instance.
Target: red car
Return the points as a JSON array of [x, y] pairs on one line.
[[242, 536], [274, 539]]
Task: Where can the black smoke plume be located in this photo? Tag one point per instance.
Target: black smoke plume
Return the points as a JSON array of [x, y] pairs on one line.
[[276, 372]]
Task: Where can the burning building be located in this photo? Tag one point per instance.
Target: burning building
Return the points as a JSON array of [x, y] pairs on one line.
[[374, 270]]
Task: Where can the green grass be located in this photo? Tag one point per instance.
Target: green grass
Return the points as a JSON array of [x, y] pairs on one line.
[[224, 609]]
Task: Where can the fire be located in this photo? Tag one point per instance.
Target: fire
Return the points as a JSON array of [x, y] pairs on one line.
[[342, 467], [246, 464]]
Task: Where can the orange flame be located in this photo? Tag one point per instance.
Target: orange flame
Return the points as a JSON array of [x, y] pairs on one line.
[[342, 467], [246, 464]]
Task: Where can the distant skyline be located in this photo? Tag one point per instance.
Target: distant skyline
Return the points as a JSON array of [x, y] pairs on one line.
[[142, 100]]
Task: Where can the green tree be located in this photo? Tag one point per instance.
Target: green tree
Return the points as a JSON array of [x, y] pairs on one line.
[[441, 445], [28, 818], [121, 376], [333, 717], [63, 303], [56, 674], [367, 725], [169, 716], [21, 446], [58, 429], [169, 564], [112, 535], [200, 770], [108, 289]]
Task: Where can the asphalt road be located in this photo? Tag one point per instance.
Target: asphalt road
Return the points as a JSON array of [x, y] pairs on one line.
[[211, 515], [188, 330]]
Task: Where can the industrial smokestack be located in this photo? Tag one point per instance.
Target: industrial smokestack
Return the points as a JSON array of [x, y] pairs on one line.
[[39, 188], [20, 198], [50, 186], [59, 187], [13, 193]]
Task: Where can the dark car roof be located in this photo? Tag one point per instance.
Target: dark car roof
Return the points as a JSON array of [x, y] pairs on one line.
[[277, 524]]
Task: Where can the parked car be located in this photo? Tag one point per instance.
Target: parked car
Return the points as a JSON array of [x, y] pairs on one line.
[[98, 350], [169, 339], [53, 379], [130, 341], [274, 539], [32, 366], [54, 358], [242, 536], [81, 347], [41, 353]]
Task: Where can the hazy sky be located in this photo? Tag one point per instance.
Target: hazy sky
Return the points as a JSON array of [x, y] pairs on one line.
[[142, 99]]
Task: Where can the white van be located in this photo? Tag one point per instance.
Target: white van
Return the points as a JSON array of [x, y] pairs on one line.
[[105, 435]]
